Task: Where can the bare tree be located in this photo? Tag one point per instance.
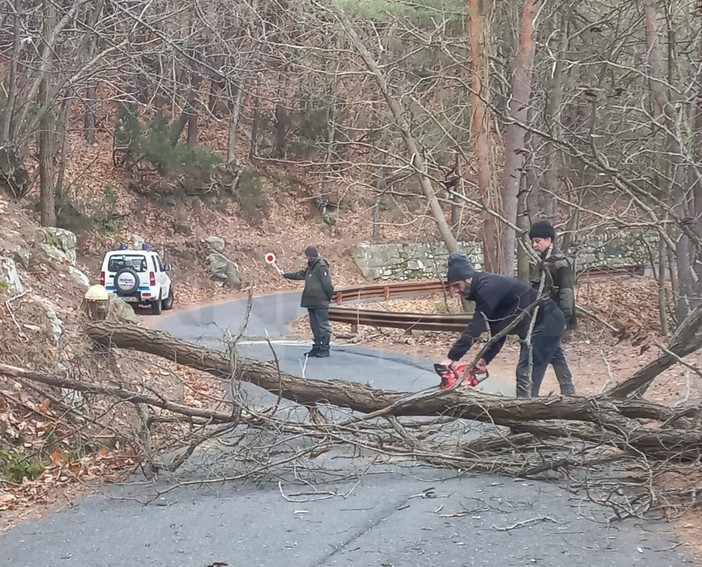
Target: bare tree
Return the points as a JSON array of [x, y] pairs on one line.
[[515, 152], [493, 252]]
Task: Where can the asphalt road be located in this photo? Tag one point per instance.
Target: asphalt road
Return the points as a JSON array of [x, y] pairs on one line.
[[392, 515]]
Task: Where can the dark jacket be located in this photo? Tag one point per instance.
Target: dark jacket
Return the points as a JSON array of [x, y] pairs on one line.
[[319, 289], [558, 283], [498, 302]]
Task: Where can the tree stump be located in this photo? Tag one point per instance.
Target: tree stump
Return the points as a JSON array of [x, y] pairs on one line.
[[96, 303]]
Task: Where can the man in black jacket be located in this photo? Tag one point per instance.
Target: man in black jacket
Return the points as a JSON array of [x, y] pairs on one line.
[[502, 302], [316, 297], [558, 285]]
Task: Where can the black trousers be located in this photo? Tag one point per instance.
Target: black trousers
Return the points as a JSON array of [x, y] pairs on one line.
[[565, 377], [535, 358], [321, 330]]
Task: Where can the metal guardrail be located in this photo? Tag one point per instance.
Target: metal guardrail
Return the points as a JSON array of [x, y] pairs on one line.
[[406, 321], [388, 290], [423, 321]]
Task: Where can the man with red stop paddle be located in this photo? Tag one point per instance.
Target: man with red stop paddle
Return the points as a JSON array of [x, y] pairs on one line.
[[316, 296]]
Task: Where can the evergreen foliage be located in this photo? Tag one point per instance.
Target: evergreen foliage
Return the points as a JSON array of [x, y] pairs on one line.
[[157, 144]]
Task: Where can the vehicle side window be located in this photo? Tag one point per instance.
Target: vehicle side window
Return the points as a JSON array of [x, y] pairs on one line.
[[157, 261]]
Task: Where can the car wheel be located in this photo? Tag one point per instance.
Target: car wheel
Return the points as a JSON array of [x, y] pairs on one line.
[[168, 302], [156, 306], [126, 281]]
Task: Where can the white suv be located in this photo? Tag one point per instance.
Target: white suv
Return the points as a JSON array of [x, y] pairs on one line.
[[138, 276]]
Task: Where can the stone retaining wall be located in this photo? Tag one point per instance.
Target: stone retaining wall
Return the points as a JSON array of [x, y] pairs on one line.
[[398, 262]]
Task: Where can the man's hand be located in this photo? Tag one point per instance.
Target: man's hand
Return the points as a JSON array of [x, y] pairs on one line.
[[447, 362], [565, 336], [481, 366]]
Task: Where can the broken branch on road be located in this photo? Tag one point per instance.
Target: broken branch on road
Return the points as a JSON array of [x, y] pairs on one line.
[[561, 433]]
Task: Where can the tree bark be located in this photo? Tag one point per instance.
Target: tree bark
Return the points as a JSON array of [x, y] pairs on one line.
[[687, 299], [46, 181], [686, 340], [59, 146], [552, 115], [188, 117], [89, 130], [480, 130], [612, 417], [8, 109], [697, 125], [514, 138], [232, 163]]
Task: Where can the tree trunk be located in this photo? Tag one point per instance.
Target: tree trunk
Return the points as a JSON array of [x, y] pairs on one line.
[[189, 114], [687, 299], [13, 176], [46, 154], [612, 414], [47, 193], [60, 145], [514, 138], [192, 126], [523, 257], [416, 160], [329, 150], [8, 109], [552, 115], [191, 109], [213, 106], [376, 234], [662, 294], [480, 96], [256, 134], [232, 164], [89, 131], [697, 125]]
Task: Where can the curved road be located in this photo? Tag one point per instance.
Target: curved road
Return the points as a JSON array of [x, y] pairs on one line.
[[392, 516]]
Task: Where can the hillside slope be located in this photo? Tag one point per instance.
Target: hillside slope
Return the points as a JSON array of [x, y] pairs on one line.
[[54, 441]]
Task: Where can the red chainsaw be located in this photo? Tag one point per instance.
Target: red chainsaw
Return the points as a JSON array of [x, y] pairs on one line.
[[450, 375]]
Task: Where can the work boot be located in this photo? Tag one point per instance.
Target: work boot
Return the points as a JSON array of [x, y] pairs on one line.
[[565, 379], [323, 350], [314, 352]]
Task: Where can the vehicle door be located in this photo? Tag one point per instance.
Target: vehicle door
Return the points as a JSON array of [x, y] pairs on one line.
[[161, 278]]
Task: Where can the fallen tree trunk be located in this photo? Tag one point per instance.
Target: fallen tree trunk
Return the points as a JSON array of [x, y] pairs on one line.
[[459, 402], [612, 420], [686, 340]]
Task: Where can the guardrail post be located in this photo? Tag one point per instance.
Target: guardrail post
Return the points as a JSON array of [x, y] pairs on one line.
[[354, 328]]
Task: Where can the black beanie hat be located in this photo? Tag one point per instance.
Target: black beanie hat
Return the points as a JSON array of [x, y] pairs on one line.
[[542, 229], [459, 267], [311, 252]]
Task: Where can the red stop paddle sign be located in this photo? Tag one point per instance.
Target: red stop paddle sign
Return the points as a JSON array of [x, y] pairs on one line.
[[270, 259]]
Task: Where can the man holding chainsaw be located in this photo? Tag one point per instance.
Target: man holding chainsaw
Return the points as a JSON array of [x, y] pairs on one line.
[[558, 282], [316, 297], [506, 306]]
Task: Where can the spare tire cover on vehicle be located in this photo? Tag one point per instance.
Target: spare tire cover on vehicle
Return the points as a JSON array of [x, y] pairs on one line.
[[126, 281]]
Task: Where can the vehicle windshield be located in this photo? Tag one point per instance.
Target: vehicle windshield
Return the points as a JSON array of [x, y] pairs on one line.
[[136, 262]]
